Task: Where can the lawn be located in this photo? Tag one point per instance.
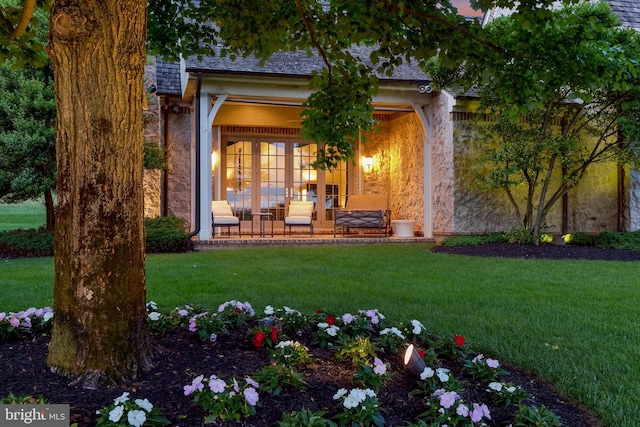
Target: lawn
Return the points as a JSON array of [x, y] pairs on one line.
[[574, 323], [25, 215]]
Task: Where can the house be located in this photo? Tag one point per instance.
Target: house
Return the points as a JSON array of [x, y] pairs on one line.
[[232, 131]]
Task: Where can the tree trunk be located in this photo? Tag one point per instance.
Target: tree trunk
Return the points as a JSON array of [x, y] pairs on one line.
[[97, 48], [50, 211]]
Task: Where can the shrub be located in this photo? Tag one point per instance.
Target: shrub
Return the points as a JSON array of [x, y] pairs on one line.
[[608, 239], [473, 240], [166, 234], [581, 239], [26, 243]]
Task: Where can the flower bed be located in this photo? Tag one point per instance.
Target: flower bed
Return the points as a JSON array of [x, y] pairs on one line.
[[283, 366]]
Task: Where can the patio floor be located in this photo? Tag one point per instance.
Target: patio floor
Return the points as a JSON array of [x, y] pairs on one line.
[[222, 242]]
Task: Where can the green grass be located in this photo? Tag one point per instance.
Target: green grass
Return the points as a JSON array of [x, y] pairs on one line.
[[574, 323], [25, 215]]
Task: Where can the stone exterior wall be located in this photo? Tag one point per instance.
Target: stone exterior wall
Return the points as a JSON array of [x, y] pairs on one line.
[[179, 147], [592, 205], [151, 180], [406, 159], [442, 175], [397, 149]]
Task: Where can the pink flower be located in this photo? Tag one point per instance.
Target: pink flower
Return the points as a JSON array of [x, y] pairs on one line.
[[14, 321], [379, 367], [251, 396], [347, 318], [462, 410], [217, 385], [492, 363], [251, 382], [448, 398], [196, 384], [478, 412]]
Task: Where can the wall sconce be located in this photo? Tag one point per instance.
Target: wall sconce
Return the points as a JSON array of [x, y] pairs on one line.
[[414, 363], [175, 109], [367, 164], [214, 160]]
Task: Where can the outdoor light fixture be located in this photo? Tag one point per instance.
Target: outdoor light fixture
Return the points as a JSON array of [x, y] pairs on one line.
[[367, 164], [214, 160], [175, 109], [414, 363]]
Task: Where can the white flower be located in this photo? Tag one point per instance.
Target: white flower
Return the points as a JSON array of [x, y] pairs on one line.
[[442, 374], [152, 305], [393, 330], [340, 393], [116, 414], [154, 316], [144, 404], [323, 325], [122, 399], [427, 373], [283, 344], [495, 386], [183, 313], [478, 358], [417, 327], [332, 330], [511, 389], [47, 316], [136, 418], [350, 402], [268, 310]]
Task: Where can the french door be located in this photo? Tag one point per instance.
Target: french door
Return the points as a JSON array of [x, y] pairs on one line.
[[261, 175]]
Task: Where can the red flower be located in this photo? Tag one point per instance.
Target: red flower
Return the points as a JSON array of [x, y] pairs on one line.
[[459, 340], [274, 333], [331, 320], [318, 310], [421, 353], [258, 341], [238, 310]]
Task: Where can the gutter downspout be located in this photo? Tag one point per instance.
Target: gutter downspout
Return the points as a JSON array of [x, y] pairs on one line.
[[197, 174], [164, 190]]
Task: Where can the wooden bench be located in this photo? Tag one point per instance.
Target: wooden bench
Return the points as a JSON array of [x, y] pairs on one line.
[[369, 211]]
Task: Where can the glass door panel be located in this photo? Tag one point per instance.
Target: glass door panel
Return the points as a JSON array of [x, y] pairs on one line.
[[238, 177], [262, 174], [272, 177]]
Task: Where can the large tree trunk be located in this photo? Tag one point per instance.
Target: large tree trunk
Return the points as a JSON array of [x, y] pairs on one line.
[[97, 48]]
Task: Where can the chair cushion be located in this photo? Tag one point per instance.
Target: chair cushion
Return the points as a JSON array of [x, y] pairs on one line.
[[298, 220], [368, 202], [300, 208], [226, 220], [221, 208]]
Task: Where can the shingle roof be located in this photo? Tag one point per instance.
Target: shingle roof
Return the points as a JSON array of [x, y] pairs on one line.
[[628, 11], [168, 78], [294, 64]]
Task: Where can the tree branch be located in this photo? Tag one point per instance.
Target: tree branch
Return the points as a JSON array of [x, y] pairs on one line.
[[27, 13]]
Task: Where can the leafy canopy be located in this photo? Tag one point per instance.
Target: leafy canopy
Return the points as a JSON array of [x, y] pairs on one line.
[[394, 31]]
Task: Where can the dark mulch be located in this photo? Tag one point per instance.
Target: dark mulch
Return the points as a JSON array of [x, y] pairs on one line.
[[546, 251], [23, 370], [22, 364]]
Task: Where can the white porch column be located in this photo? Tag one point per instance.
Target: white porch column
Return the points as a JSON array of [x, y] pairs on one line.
[[425, 113], [206, 187]]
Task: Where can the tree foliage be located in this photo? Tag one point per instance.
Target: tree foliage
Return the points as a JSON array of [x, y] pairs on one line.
[[565, 98], [390, 32], [27, 133]]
